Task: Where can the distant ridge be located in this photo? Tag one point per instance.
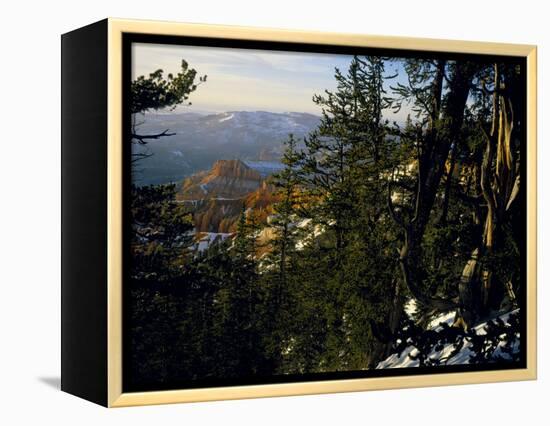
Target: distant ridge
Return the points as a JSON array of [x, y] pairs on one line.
[[200, 140]]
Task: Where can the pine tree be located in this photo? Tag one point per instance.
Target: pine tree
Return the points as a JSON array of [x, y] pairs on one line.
[[283, 222], [344, 162], [239, 297], [156, 92]]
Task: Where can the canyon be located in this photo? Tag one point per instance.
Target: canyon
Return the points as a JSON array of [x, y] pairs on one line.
[[218, 196]]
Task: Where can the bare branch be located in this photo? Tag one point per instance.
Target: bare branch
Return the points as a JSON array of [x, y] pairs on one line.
[[140, 156], [142, 139]]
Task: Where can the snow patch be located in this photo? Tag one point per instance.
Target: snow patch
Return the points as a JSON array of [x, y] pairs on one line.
[[310, 238], [462, 357], [447, 318], [410, 308], [210, 238], [229, 117]]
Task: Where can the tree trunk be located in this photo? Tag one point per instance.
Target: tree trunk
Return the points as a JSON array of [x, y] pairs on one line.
[[499, 185], [432, 158]]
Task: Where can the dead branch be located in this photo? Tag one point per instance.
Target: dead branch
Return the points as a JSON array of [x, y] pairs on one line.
[[142, 139]]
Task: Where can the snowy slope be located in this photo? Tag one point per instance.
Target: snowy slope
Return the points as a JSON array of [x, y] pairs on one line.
[[462, 357], [199, 140]]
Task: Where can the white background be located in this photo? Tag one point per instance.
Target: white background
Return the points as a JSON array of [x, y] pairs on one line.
[[30, 211]]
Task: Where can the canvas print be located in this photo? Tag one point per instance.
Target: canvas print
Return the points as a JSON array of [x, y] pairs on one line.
[[320, 214]]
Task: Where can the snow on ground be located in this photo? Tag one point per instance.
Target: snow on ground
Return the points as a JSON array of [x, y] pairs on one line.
[[410, 308], [448, 318], [462, 357], [208, 238], [308, 239]]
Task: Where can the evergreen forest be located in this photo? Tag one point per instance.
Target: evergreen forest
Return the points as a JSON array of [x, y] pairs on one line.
[[376, 244]]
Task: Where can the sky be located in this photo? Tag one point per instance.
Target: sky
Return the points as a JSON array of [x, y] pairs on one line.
[[245, 79]]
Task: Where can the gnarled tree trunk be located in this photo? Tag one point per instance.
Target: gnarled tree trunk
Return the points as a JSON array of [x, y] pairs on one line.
[[499, 182], [433, 152]]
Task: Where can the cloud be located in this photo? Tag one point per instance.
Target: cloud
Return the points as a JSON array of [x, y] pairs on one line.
[[245, 79], [249, 79]]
